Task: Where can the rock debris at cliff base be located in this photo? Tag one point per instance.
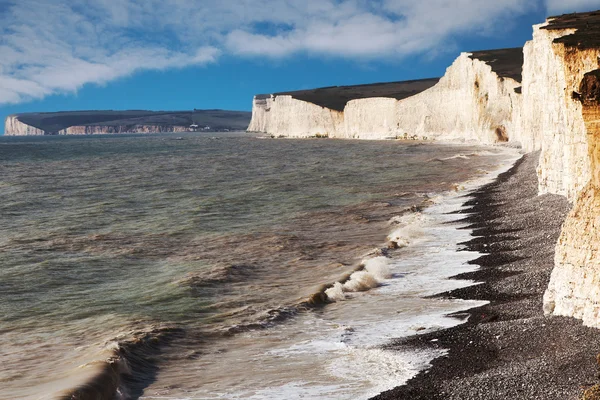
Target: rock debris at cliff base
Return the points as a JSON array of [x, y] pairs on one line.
[[509, 349]]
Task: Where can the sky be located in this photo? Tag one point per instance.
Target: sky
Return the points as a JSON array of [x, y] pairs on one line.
[[58, 55]]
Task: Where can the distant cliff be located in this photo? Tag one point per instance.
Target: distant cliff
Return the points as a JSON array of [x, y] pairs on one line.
[[13, 126], [103, 122], [321, 111]]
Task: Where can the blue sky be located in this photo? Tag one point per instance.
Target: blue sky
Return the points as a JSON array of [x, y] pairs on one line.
[[178, 55]]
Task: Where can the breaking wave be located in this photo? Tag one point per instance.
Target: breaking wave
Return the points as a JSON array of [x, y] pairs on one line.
[[373, 272], [464, 156], [123, 367], [409, 229]]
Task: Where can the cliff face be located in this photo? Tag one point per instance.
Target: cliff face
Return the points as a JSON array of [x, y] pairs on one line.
[[570, 162], [375, 118], [284, 115], [574, 288], [471, 102], [551, 74], [14, 127]]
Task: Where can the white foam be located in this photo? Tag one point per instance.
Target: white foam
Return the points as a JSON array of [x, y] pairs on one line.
[[379, 267], [362, 371], [360, 281], [336, 292], [379, 369], [409, 230], [376, 271], [462, 156]]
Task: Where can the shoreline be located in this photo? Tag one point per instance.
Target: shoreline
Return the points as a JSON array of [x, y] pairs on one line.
[[507, 349]]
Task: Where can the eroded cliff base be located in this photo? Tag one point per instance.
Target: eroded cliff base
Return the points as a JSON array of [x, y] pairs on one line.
[[509, 349]]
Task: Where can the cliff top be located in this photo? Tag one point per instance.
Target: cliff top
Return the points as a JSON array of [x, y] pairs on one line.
[[336, 97], [587, 25], [506, 63], [52, 122]]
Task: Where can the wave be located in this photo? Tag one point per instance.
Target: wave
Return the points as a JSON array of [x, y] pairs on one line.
[[125, 366], [373, 273], [129, 368], [410, 228], [218, 275], [464, 156], [268, 319]]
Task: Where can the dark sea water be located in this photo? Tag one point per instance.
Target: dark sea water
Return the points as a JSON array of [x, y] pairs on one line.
[[205, 267]]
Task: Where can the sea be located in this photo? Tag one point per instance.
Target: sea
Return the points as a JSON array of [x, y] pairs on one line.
[[228, 266]]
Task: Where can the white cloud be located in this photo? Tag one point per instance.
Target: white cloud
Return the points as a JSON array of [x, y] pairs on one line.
[[386, 28], [556, 7], [56, 46]]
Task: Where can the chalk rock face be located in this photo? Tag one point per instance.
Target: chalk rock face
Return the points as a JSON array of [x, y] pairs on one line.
[[287, 116], [14, 127], [552, 73], [574, 288], [372, 118], [470, 102], [261, 113]]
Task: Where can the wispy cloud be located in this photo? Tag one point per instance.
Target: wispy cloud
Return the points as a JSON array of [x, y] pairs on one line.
[[57, 46], [386, 28]]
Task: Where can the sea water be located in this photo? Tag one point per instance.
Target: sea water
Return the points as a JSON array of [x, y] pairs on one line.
[[225, 265]]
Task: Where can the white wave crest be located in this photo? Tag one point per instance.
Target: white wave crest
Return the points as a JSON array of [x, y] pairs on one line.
[[360, 281], [376, 270], [379, 267], [410, 228], [463, 156], [336, 292]]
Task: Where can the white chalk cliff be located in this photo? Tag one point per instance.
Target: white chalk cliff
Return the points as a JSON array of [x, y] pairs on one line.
[[471, 102], [286, 116], [551, 117], [574, 288], [12, 126]]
